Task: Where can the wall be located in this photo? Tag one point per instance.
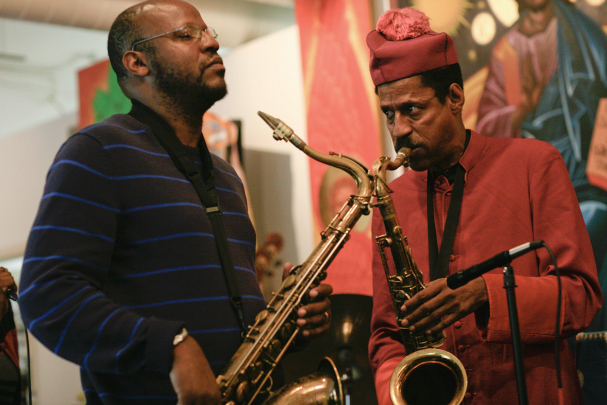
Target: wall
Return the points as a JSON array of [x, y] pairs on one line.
[[265, 75], [24, 161]]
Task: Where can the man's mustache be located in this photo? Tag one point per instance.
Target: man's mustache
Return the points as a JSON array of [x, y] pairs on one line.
[[405, 143]]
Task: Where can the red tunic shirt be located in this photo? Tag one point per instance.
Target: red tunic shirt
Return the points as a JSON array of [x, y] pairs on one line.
[[516, 191]]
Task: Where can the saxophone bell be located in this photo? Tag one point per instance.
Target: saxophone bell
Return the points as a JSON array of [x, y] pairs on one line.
[[428, 377], [323, 387]]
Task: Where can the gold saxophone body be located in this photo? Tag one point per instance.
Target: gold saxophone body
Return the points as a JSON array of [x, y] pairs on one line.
[[249, 371], [427, 375]]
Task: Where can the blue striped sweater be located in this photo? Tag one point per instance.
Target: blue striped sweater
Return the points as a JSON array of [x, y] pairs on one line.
[[121, 256]]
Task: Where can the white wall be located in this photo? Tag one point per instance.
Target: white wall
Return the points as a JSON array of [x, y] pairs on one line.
[[24, 161], [266, 75], [37, 71]]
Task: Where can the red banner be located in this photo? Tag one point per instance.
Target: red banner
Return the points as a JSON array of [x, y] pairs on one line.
[[342, 116]]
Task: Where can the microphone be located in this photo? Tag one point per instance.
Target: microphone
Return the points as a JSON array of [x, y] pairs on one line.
[[12, 294], [462, 277]]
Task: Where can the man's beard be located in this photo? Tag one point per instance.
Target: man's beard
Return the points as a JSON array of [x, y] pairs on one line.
[[189, 94]]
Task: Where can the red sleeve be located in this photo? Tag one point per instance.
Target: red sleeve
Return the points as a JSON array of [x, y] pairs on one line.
[[558, 221], [9, 342]]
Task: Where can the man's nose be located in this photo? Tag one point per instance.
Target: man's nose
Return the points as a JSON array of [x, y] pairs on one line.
[[402, 126], [207, 42]]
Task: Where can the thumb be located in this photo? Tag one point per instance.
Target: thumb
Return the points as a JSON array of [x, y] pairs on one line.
[[287, 268]]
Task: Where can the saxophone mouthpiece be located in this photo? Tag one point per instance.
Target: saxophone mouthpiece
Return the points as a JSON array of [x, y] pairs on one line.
[[282, 132], [401, 159], [271, 121], [403, 156]]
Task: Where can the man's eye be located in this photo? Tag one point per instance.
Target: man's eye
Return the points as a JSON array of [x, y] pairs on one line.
[[389, 115]]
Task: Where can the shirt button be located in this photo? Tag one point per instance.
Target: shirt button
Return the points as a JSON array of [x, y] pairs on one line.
[[457, 324], [461, 348]]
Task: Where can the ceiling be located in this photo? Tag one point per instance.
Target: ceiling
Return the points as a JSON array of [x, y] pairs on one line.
[[236, 21], [44, 43]]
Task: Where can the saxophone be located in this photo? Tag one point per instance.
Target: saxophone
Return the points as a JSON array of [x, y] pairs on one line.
[[427, 375], [248, 373]]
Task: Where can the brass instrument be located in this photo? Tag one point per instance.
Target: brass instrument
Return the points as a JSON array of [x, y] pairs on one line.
[[248, 372], [427, 375]]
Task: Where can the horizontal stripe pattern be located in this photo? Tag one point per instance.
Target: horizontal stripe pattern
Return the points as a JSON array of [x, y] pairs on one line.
[[122, 255]]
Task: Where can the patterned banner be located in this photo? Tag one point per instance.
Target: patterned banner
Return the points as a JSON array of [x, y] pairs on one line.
[[342, 116], [100, 95]]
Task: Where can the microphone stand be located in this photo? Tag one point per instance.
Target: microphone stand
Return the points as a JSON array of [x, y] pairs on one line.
[[509, 285]]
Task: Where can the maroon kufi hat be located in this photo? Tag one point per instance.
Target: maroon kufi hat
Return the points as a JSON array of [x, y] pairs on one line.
[[403, 45]]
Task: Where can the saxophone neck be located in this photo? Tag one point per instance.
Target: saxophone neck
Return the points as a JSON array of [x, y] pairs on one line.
[[350, 165], [382, 164]]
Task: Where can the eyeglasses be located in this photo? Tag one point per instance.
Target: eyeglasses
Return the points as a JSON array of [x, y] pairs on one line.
[[191, 30]]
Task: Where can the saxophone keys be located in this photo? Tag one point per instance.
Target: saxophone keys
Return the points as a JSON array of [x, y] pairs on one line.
[[287, 331], [289, 282], [273, 348], [261, 317], [254, 370], [242, 393]]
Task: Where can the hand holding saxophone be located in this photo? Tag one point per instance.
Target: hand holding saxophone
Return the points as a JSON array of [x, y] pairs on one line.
[[437, 306], [7, 283], [315, 317]]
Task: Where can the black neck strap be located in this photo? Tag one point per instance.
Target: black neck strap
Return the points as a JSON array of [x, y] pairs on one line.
[[439, 262], [205, 190]]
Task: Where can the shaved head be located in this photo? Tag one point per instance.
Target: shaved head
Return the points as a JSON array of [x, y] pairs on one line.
[[133, 24]]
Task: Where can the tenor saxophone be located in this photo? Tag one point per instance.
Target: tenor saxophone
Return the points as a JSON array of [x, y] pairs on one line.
[[249, 371], [427, 375]]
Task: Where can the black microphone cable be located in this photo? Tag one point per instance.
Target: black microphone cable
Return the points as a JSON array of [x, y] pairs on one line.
[[557, 358], [15, 297], [29, 369]]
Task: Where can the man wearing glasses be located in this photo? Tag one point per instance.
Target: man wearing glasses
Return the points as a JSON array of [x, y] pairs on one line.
[[123, 273]]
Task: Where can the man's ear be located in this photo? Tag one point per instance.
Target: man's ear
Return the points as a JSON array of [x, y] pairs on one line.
[[456, 98], [136, 63]]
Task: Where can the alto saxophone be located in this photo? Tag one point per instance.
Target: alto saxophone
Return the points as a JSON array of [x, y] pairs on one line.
[[275, 329], [427, 375]]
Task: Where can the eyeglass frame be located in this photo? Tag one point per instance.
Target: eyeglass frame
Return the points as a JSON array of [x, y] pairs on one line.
[[211, 31]]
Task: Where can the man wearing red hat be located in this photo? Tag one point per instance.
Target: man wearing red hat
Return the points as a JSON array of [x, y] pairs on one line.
[[487, 195]]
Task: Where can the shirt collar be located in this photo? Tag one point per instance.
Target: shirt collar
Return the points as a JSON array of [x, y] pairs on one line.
[[149, 117], [449, 172]]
